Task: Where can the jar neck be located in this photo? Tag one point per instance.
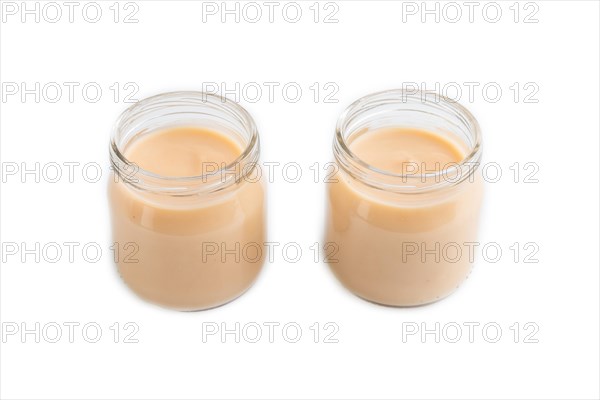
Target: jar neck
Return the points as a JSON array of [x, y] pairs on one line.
[[415, 109], [184, 109]]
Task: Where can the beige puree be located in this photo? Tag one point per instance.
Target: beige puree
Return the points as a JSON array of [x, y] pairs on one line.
[[390, 245], [189, 253]]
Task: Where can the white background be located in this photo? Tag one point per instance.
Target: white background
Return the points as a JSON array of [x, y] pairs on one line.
[[371, 48]]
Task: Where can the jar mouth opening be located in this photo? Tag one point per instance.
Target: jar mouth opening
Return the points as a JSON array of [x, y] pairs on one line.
[[399, 182], [197, 102]]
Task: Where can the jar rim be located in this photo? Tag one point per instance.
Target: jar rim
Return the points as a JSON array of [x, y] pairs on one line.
[[397, 182], [249, 154]]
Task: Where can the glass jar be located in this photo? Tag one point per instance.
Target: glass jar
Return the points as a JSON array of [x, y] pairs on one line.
[[404, 239], [195, 242]]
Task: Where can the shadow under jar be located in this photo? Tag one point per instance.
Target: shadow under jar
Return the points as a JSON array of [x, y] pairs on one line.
[[192, 241], [404, 206]]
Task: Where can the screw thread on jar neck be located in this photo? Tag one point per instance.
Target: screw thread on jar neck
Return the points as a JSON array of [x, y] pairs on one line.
[[184, 109], [411, 109]]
